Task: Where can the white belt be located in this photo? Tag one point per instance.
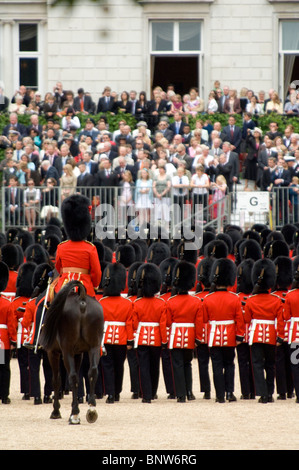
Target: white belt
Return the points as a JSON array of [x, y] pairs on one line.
[[215, 323], [149, 324], [111, 323], [19, 333], [174, 326], [253, 325], [293, 320]]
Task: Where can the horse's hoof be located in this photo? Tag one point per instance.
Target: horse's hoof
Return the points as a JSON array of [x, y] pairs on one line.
[[74, 419], [55, 415], [91, 415]]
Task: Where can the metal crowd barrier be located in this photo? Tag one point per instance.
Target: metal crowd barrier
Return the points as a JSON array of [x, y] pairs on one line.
[[109, 210]]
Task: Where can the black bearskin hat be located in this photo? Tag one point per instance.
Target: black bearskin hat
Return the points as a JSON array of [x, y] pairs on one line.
[[125, 254], [148, 280], [24, 239], [276, 248], [3, 239], [275, 235], [295, 271], [114, 279], [216, 249], [132, 275], [263, 275], [226, 238], [143, 245], [40, 278], [11, 235], [50, 244], [235, 236], [284, 274], [264, 236], [244, 280], [187, 251], [258, 227], [138, 251], [24, 286], [36, 253], [157, 252], [204, 269], [100, 249], [10, 255], [184, 276], [207, 237], [76, 217], [252, 234], [250, 249], [223, 273], [288, 231], [4, 276], [167, 270], [53, 230]]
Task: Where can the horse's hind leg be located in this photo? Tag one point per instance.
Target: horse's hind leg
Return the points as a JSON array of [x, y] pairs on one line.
[[72, 365], [54, 359], [94, 358]]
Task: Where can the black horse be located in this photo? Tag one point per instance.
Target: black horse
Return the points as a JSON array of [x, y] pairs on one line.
[[74, 324]]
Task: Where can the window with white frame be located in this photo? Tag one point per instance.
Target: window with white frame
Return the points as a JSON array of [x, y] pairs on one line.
[[289, 54], [176, 36], [28, 54]]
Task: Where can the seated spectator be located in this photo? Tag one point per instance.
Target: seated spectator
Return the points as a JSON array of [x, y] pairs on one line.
[[18, 106], [49, 201], [194, 104], [232, 104], [212, 106], [50, 107], [70, 121], [275, 105], [68, 181]]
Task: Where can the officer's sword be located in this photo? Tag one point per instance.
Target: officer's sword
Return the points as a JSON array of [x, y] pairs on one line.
[[44, 309]]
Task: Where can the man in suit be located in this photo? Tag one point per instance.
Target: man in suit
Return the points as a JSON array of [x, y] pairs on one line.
[[177, 126], [181, 155], [263, 168], [232, 159], [91, 165], [163, 127], [48, 171], [233, 134], [125, 135], [280, 180], [4, 101], [106, 103], [122, 167], [222, 99], [85, 180], [89, 130], [35, 124], [83, 103], [13, 202], [106, 178], [14, 125]]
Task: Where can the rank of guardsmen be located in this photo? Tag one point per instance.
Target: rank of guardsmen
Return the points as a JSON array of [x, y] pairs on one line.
[[233, 300]]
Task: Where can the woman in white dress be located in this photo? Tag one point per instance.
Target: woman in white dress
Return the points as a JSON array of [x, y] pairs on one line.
[[200, 184], [126, 200], [144, 196], [31, 203], [161, 191]]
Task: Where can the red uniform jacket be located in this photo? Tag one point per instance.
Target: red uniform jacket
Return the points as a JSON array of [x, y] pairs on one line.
[[29, 321], [11, 285], [264, 312], [7, 324], [18, 316], [149, 321], [78, 256], [291, 315], [204, 338], [118, 320], [282, 294], [185, 320], [223, 311], [243, 297]]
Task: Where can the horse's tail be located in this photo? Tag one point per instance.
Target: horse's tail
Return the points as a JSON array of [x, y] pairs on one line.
[[53, 314]]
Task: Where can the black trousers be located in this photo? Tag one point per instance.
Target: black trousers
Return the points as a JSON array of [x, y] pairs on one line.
[[167, 371], [263, 365], [133, 370], [203, 358], [294, 361], [245, 369], [35, 360], [223, 369], [283, 370], [5, 373], [23, 362], [182, 370], [149, 366], [113, 368]]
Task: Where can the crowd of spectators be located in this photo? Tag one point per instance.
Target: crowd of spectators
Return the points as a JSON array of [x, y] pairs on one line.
[[163, 158]]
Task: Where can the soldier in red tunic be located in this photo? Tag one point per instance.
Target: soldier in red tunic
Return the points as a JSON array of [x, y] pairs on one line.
[[226, 327], [184, 320], [264, 313], [291, 316], [244, 289], [203, 353], [118, 329], [10, 256], [7, 336], [76, 258], [283, 373], [149, 321]]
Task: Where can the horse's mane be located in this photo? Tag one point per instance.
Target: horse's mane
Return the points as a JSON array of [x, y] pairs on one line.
[[53, 314]]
